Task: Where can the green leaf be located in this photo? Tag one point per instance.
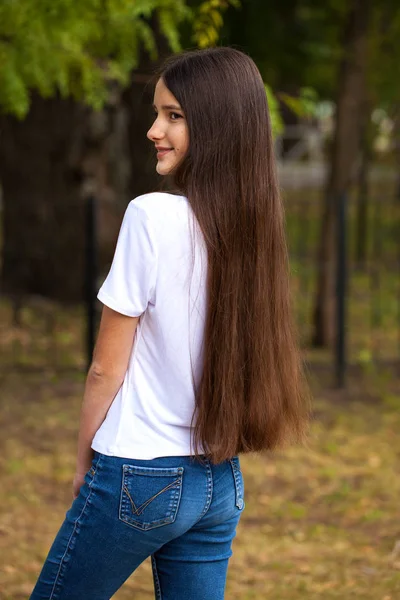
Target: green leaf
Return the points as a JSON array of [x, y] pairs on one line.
[[76, 47], [273, 105]]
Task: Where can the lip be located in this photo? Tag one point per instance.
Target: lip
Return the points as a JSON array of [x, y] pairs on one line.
[[162, 151]]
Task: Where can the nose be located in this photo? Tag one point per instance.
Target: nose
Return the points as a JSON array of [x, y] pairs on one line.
[[155, 132]]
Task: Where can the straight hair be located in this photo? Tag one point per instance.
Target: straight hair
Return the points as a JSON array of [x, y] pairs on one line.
[[252, 395]]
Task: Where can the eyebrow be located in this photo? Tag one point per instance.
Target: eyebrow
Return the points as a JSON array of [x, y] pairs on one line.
[[168, 107]]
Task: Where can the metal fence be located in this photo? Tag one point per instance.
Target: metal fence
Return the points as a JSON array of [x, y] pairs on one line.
[[37, 334], [368, 263]]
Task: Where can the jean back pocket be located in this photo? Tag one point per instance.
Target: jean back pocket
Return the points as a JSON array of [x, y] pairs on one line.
[[150, 496]]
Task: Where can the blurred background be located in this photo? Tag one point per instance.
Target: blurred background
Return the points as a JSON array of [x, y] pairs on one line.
[[76, 87]]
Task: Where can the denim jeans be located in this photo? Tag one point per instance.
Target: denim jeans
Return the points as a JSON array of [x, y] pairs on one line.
[[179, 511]]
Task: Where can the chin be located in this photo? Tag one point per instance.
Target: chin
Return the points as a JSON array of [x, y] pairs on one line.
[[163, 169]]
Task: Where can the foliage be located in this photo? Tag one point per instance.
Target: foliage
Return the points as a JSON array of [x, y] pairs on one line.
[[299, 45], [209, 21], [76, 47], [304, 105], [384, 55], [295, 44], [273, 104]]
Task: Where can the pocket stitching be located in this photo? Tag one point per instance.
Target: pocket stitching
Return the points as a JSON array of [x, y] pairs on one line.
[[139, 510], [238, 479], [152, 471], [125, 514]]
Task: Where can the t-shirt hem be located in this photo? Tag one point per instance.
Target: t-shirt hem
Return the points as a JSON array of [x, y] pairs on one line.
[[114, 305], [138, 454]]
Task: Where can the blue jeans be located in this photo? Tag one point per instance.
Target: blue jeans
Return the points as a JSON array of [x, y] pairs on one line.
[[180, 512]]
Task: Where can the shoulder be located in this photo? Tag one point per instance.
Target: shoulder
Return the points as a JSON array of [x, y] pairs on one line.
[[155, 204], [156, 216], [159, 213]]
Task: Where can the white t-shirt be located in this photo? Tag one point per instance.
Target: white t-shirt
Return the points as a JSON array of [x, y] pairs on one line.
[[151, 275]]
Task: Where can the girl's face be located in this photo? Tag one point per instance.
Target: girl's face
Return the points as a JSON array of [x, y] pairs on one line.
[[169, 131]]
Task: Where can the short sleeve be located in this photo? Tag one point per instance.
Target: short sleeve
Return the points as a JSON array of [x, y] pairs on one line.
[[130, 283]]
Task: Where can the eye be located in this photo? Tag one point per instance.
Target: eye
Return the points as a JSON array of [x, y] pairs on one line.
[[175, 116]]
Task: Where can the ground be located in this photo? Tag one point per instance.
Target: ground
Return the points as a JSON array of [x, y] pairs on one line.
[[321, 521]]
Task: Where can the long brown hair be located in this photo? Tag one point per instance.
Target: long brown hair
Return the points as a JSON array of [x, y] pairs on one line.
[[252, 394]]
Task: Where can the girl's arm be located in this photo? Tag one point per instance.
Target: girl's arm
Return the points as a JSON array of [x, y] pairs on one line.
[[105, 377]]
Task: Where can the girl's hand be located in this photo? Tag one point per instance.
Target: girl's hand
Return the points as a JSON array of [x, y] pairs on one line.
[[78, 482]]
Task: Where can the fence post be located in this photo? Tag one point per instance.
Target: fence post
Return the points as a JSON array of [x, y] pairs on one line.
[[341, 290], [90, 274]]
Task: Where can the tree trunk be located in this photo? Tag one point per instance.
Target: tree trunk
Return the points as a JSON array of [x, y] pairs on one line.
[[344, 154], [362, 192], [46, 162], [43, 213], [396, 143]]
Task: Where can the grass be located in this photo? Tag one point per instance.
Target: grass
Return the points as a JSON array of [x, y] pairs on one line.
[[319, 522], [48, 336]]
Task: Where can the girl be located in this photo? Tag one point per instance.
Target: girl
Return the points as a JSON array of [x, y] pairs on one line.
[[195, 360]]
